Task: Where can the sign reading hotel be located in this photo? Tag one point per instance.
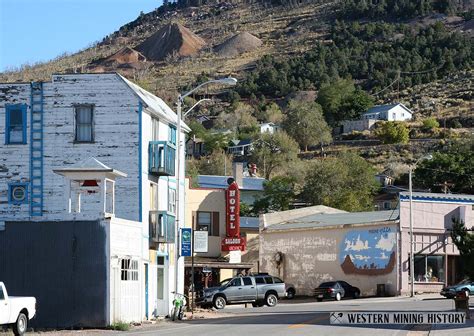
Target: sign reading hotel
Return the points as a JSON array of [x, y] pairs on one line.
[[232, 240]]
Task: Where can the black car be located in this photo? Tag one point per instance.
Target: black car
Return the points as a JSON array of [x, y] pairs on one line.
[[336, 290]]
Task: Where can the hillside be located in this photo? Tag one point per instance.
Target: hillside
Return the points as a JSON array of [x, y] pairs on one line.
[[288, 33]]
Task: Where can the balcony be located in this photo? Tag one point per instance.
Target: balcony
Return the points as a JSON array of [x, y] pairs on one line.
[[161, 156], [162, 228]]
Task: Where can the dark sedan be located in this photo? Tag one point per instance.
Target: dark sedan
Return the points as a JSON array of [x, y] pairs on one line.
[[336, 290]]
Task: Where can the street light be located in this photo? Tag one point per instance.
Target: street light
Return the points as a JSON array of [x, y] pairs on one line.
[[410, 190], [230, 81]]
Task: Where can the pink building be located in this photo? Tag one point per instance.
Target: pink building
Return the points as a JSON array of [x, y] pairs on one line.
[[437, 260]]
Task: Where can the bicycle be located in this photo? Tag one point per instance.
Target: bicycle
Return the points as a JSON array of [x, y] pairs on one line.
[[179, 303]]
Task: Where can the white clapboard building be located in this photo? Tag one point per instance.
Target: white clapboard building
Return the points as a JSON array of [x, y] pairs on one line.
[[98, 147]]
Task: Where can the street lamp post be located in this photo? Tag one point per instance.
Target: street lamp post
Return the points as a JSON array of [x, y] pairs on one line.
[[412, 257], [223, 81]]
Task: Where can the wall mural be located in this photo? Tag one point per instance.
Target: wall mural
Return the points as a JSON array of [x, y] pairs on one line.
[[368, 252]]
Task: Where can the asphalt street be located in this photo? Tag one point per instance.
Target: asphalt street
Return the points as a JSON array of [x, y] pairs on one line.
[[312, 318]]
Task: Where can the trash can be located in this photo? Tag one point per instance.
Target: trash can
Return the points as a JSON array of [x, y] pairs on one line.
[[461, 303], [381, 290]]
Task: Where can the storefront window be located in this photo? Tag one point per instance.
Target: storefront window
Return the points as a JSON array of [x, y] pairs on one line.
[[429, 268]]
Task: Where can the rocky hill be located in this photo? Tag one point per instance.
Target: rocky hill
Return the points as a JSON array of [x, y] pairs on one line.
[[185, 44]]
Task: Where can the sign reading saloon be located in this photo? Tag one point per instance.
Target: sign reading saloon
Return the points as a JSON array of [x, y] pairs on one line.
[[232, 240]]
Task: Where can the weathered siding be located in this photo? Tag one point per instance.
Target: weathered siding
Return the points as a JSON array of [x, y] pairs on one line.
[[311, 257], [115, 140], [64, 265]]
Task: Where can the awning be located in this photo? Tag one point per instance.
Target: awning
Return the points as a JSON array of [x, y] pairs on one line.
[[215, 263]]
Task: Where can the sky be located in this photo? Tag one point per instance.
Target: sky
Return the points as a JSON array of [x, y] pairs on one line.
[[40, 30]]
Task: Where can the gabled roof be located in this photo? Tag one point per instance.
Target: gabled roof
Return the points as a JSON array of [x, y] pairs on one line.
[[323, 220], [220, 182], [385, 108], [154, 103], [437, 197]]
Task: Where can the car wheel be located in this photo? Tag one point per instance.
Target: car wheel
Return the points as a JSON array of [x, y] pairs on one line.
[[466, 291], [219, 302], [271, 300], [21, 324], [337, 297], [356, 295], [290, 294]]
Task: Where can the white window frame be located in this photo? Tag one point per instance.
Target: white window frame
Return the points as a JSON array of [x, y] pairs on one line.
[[129, 269], [76, 123], [172, 201]]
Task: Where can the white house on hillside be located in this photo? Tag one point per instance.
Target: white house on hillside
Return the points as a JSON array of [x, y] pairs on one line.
[[269, 128], [392, 112], [89, 153]]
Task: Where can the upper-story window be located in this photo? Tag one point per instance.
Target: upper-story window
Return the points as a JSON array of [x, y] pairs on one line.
[[172, 200], [15, 130], [155, 128], [84, 123], [172, 135], [17, 193]]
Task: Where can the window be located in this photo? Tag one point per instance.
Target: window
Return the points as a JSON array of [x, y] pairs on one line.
[[268, 280], [235, 282], [84, 124], [153, 196], [208, 221], [129, 270], [247, 281], [277, 280], [429, 268], [172, 200], [15, 130], [18, 193], [155, 127], [172, 135], [2, 296], [259, 281]]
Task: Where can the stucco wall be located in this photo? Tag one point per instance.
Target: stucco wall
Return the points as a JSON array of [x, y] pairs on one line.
[[314, 256]]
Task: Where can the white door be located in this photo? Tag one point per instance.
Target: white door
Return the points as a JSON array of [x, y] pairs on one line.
[[4, 308], [130, 309], [162, 286]]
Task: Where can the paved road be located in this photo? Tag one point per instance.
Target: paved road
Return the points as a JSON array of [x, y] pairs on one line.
[[311, 318]]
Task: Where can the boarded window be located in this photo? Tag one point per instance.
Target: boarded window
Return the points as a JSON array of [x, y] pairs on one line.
[[84, 124]]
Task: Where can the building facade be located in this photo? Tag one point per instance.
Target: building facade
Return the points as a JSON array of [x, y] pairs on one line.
[[437, 261], [62, 140]]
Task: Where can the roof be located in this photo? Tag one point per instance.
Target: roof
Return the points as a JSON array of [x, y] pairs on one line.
[[282, 216], [249, 222], [220, 182], [385, 108], [90, 165], [437, 197], [336, 219], [154, 103]]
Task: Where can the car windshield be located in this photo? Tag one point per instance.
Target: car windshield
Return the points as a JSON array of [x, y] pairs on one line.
[[327, 284], [465, 281], [224, 282]]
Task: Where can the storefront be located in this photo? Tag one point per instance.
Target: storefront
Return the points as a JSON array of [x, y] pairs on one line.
[[436, 258]]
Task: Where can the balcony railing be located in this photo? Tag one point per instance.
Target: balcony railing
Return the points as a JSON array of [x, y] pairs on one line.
[[161, 156], [162, 227]]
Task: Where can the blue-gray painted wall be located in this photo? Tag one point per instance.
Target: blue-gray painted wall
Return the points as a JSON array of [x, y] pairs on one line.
[[65, 265]]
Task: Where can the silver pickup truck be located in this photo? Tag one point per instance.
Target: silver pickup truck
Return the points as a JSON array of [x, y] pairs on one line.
[[258, 290]]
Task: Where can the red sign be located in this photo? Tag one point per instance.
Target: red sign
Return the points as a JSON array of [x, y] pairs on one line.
[[232, 240]]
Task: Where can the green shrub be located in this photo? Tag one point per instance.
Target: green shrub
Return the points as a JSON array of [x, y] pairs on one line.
[[430, 124], [122, 326], [392, 132]]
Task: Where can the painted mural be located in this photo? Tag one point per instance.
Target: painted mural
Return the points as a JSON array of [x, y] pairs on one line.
[[368, 252]]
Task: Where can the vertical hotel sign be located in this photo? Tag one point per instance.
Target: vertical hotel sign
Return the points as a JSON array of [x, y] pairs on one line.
[[232, 240]]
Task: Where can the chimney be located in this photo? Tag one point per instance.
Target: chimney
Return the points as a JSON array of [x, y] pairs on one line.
[[238, 173]]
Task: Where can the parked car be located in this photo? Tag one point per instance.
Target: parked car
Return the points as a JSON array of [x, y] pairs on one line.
[[336, 290], [466, 286], [290, 291], [258, 290], [15, 311]]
